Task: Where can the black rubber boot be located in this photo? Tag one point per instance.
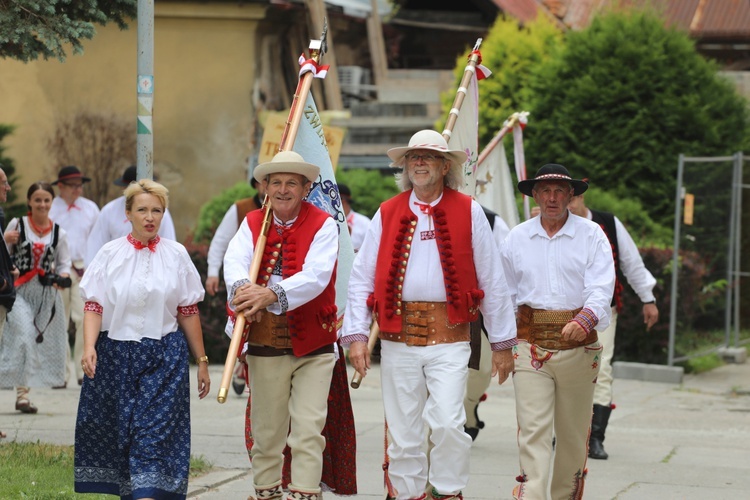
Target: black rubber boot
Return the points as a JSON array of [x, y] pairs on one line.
[[599, 421], [474, 431]]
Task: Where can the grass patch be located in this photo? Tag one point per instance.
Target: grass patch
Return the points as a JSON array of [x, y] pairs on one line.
[[666, 459], [199, 466], [702, 363], [45, 471], [697, 342]]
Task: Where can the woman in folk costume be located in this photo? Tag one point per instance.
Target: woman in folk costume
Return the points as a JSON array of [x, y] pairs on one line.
[[141, 318], [32, 352]]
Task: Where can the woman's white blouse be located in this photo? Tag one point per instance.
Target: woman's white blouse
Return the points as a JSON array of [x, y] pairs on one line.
[[140, 290]]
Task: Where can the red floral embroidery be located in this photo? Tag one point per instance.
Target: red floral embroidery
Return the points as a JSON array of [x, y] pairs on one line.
[[93, 307], [188, 310]]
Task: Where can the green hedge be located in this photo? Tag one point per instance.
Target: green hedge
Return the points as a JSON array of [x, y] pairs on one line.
[[700, 309]]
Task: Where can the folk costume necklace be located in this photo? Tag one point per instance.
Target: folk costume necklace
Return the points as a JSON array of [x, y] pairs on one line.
[[38, 230]]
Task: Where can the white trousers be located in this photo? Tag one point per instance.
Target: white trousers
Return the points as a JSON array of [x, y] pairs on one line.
[[603, 389], [423, 388]]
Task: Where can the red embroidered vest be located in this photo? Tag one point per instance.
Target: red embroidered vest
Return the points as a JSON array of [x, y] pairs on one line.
[[452, 219], [311, 325]]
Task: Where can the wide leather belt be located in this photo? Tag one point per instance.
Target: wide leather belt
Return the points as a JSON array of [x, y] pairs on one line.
[[426, 323], [544, 328], [270, 352], [271, 331]]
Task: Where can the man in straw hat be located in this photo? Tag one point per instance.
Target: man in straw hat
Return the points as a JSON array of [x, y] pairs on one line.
[[113, 224], [426, 268], [77, 215], [292, 316], [560, 273]]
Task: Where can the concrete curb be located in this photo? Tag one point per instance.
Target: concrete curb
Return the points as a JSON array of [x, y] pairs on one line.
[[648, 373], [214, 480]]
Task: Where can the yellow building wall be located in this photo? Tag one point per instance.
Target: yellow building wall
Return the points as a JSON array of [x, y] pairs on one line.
[[203, 81]]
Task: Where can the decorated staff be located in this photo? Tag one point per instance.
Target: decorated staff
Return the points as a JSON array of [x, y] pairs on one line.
[[461, 127], [317, 49], [289, 307]]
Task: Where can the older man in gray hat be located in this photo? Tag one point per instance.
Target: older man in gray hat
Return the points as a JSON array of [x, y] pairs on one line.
[[292, 317], [561, 278], [426, 269]]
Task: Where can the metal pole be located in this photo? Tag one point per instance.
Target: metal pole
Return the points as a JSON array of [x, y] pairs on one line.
[[739, 166], [145, 137], [675, 261], [731, 276]]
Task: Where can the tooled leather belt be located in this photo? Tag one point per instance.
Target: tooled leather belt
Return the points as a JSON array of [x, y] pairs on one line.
[[544, 328], [426, 323], [271, 331]]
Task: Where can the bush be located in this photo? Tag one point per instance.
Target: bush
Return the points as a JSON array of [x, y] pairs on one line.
[[101, 144], [369, 188], [212, 212], [632, 214], [699, 309], [212, 309], [623, 99], [13, 207]]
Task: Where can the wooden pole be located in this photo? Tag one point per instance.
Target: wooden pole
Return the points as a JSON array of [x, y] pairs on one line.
[[317, 48], [469, 73], [377, 45], [331, 86]]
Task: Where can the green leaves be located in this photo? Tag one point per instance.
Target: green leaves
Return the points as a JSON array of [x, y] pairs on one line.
[[623, 100], [30, 29]]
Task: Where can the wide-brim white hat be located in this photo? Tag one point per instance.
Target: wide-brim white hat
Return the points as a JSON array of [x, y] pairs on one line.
[[287, 162], [427, 139]]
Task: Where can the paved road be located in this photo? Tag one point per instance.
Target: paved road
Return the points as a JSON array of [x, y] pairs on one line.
[[687, 442]]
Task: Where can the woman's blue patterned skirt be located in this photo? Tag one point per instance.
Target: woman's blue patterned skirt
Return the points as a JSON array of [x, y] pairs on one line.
[[133, 427]]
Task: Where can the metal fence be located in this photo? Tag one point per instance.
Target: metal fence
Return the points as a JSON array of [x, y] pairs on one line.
[[708, 222]]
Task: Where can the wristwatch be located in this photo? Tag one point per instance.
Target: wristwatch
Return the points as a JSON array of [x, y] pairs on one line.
[[202, 359], [649, 302]]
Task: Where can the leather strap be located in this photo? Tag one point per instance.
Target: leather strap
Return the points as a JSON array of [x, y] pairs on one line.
[[544, 328], [426, 323], [271, 331]]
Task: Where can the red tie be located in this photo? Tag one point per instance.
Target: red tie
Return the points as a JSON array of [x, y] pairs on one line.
[[71, 207], [425, 208]]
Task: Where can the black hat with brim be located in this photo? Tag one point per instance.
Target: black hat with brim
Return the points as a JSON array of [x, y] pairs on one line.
[[128, 176], [70, 173], [552, 172]]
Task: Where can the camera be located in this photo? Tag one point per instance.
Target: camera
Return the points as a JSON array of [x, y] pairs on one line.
[[50, 279]]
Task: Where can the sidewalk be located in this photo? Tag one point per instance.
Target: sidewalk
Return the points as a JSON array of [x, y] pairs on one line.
[[687, 442]]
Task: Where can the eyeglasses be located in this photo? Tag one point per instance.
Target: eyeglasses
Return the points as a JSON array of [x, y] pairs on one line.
[[429, 158]]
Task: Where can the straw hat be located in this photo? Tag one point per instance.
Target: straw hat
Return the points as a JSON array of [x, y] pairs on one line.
[[431, 140], [287, 162]]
